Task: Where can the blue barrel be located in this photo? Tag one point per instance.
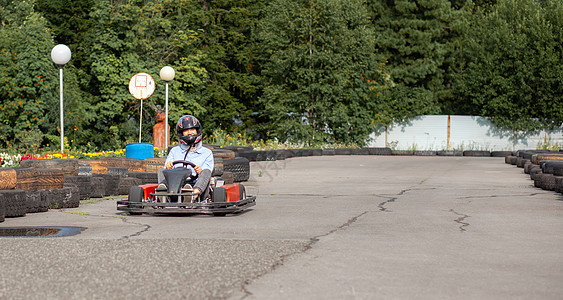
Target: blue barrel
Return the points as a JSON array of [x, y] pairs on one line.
[[139, 150]]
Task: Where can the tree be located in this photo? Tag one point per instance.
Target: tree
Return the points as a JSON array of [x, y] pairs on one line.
[[320, 72], [514, 74], [413, 36]]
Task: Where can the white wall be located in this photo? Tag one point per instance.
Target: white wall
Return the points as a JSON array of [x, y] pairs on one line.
[[466, 133]]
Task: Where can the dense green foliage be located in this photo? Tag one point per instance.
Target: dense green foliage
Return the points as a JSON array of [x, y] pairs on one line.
[[302, 71]]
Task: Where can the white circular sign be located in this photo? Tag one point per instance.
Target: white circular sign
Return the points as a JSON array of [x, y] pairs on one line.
[[141, 86]]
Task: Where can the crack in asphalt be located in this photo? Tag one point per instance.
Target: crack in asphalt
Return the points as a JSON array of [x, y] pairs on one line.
[[461, 220], [307, 247], [138, 233], [381, 205]]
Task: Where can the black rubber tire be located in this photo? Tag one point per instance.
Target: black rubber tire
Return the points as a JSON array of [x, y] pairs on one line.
[[223, 153], [559, 184], [449, 153], [239, 166], [507, 159], [501, 153], [328, 152], [549, 166], [402, 152], [49, 178], [558, 170], [126, 183], [218, 167], [15, 203], [547, 182], [69, 167], [112, 184], [2, 208], [250, 155], [34, 202], [71, 196], [120, 171], [98, 185], [84, 170], [135, 195], [424, 153], [26, 179], [359, 151], [379, 151], [343, 151], [228, 177], [84, 184], [145, 177], [478, 153], [513, 160], [238, 148]]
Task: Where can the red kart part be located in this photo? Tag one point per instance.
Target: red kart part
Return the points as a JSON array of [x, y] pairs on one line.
[[233, 192]]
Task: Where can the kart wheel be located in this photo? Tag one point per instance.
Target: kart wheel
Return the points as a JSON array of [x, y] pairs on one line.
[[136, 195]]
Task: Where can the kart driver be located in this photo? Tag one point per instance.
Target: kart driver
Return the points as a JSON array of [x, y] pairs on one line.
[[188, 130]]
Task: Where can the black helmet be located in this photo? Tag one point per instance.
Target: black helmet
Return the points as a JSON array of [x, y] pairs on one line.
[[187, 122]]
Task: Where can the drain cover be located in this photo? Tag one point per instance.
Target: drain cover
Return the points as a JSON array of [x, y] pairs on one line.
[[39, 231]]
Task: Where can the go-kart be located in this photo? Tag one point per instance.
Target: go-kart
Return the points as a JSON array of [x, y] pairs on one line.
[[221, 199]]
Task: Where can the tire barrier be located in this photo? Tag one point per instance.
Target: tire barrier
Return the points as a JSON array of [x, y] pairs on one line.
[[239, 167], [34, 202], [98, 187], [126, 183], [66, 197], [84, 169], [83, 183], [8, 178], [49, 178], [26, 179], [119, 171], [14, 202], [449, 153], [154, 164], [545, 168], [111, 183], [2, 208], [99, 166], [228, 177], [145, 177], [69, 167], [477, 153], [218, 168], [131, 164]]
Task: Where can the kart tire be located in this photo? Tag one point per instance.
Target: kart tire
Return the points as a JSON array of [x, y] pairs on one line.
[[121, 171], [71, 197], [136, 195], [7, 178], [26, 179], [98, 166], [69, 167], [239, 166], [98, 187], [379, 151], [402, 152], [145, 177], [15, 203], [111, 184], [84, 170], [2, 208], [154, 164], [477, 153], [84, 184], [34, 202], [223, 153], [125, 185], [49, 178], [501, 153], [218, 167], [424, 153], [228, 177]]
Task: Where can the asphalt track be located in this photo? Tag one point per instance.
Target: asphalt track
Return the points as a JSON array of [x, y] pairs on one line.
[[329, 227]]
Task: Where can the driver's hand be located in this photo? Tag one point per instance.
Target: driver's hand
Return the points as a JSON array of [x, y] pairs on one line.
[[168, 165], [198, 169]]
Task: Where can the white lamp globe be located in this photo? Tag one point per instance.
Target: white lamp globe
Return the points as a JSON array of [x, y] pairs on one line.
[[60, 54], [167, 73]]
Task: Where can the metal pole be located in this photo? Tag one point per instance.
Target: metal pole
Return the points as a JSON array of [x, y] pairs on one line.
[[166, 119], [141, 120], [62, 122]]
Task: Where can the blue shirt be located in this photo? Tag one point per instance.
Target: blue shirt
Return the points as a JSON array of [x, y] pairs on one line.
[[202, 157]]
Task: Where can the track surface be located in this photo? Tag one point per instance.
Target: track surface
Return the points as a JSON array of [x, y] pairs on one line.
[[342, 227]]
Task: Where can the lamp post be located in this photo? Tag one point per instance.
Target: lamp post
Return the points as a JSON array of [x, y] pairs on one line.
[[166, 74], [60, 56]]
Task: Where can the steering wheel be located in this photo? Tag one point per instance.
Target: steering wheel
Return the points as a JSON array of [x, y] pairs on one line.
[[185, 162]]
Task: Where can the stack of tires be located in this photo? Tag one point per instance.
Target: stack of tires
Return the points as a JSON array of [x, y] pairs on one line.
[[544, 167]]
